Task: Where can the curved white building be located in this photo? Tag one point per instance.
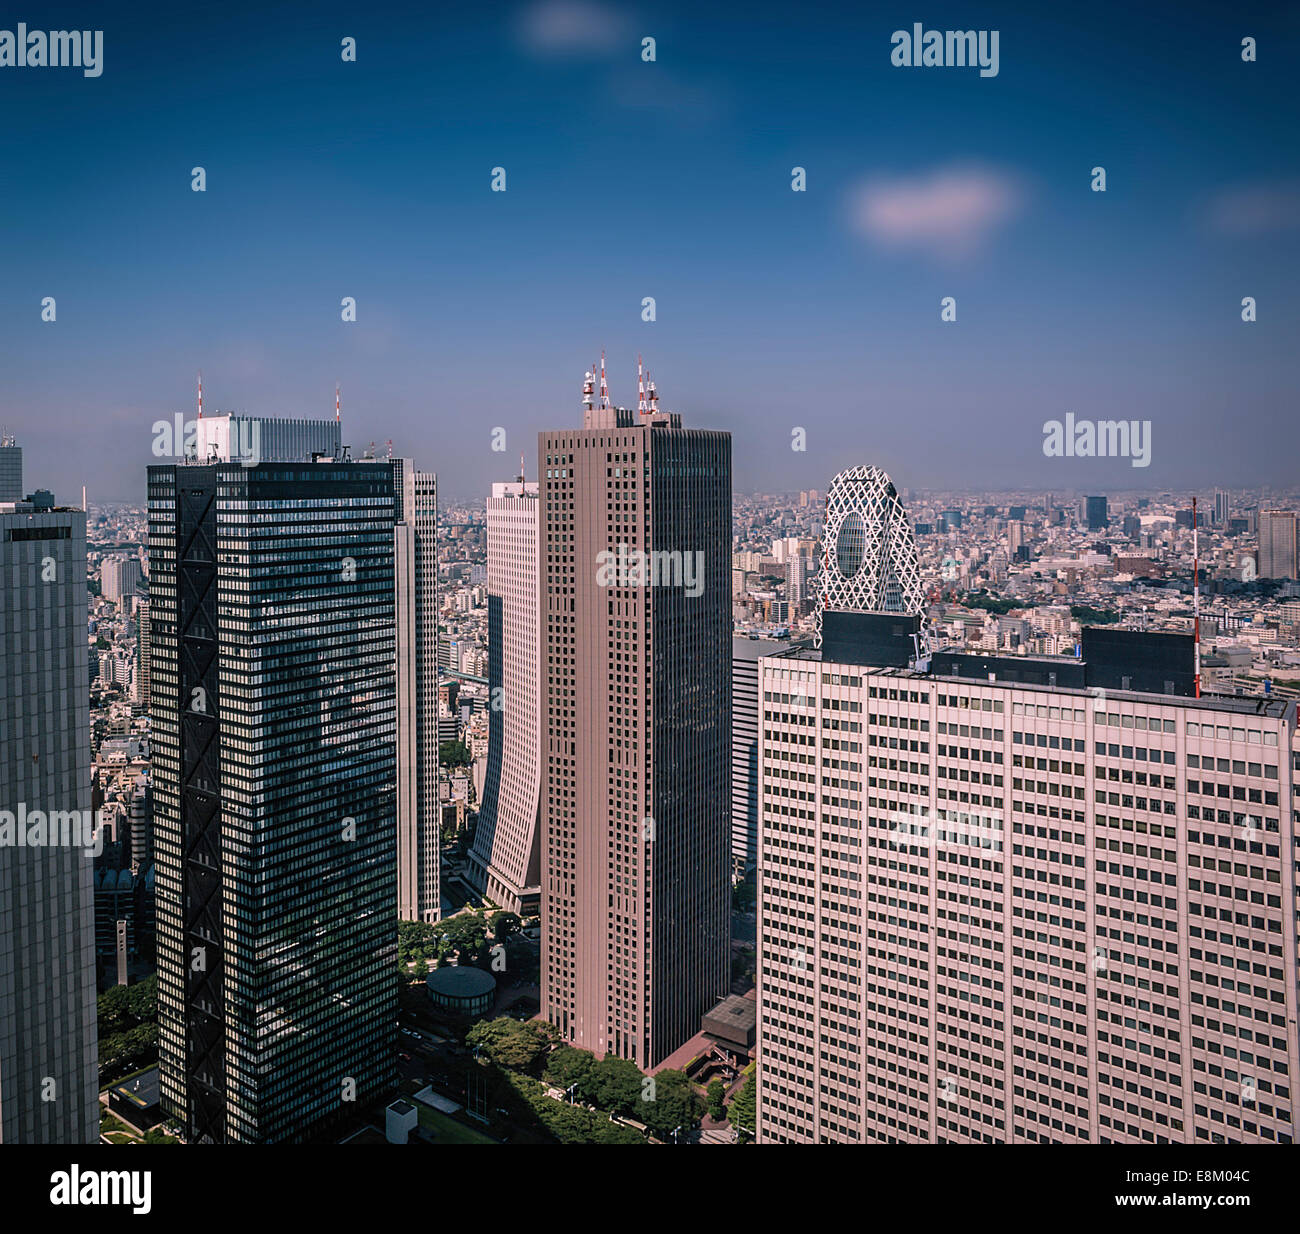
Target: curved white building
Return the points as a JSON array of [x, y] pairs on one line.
[[868, 549]]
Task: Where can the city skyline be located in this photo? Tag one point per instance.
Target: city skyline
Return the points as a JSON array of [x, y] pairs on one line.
[[775, 309], [579, 573]]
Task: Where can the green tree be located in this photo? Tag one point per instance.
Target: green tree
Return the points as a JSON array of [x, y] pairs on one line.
[[567, 1065], [744, 1106], [716, 1094], [613, 1084], [453, 754], [503, 924], [508, 1043], [676, 1104]]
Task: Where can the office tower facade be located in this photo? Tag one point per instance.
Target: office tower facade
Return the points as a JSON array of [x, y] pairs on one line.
[[274, 763], [119, 577], [505, 860], [745, 655], [636, 710], [1277, 544], [1095, 511], [139, 825], [48, 1050], [999, 910], [415, 539], [11, 469], [869, 562], [142, 653]]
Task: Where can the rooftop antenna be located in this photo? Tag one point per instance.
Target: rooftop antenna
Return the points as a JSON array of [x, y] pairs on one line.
[[641, 407], [338, 405], [604, 388], [200, 395], [521, 467], [652, 394], [390, 447], [1196, 593], [588, 388]]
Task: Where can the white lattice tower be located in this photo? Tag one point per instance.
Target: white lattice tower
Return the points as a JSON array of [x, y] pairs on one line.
[[868, 548]]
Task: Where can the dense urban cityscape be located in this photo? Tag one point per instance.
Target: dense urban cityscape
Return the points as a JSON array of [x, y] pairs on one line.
[[580, 575], [364, 868]]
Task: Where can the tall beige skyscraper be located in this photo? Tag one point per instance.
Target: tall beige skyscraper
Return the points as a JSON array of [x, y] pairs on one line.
[[419, 883], [1277, 544], [636, 697], [505, 860]]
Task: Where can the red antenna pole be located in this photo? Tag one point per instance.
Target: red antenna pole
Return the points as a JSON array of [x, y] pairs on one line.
[[640, 388], [604, 388], [1196, 593], [338, 405], [200, 395]]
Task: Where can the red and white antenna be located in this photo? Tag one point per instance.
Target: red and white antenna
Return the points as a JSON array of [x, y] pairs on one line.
[[390, 447], [521, 467], [1196, 593], [640, 388], [200, 395], [588, 388], [338, 405], [604, 387], [652, 394]]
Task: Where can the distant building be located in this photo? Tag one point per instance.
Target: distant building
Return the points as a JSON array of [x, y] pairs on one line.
[[11, 469], [415, 564], [745, 653], [1096, 513], [505, 860], [119, 577], [1277, 544]]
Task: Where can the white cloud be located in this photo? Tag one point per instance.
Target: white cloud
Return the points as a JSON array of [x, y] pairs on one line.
[[949, 213], [1255, 209], [570, 28]]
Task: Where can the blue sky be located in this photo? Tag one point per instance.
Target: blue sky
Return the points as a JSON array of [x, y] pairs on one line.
[[670, 179]]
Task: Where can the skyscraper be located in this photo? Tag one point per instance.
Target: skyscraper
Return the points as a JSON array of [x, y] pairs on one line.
[[273, 715], [419, 878], [1007, 902], [869, 551], [745, 655], [119, 577], [1096, 513], [1222, 507], [1277, 544], [11, 469], [636, 640], [142, 653], [48, 1064], [505, 860]]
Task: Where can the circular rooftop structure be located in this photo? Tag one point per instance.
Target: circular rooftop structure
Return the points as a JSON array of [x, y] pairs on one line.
[[462, 988]]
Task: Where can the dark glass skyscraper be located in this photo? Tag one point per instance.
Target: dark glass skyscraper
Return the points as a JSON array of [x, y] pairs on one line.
[[1097, 513], [273, 703]]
